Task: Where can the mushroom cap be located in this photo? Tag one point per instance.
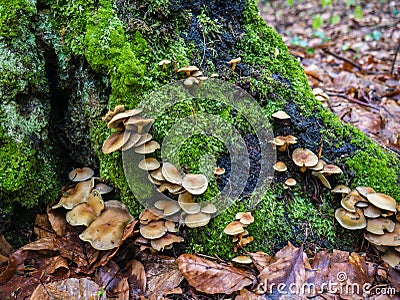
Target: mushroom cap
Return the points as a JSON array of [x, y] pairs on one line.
[[157, 175], [75, 195], [102, 188], [169, 207], [280, 166], [166, 240], [304, 158], [319, 166], [171, 173], [132, 141], [219, 171], [170, 187], [188, 69], [81, 174], [170, 226], [106, 231], [392, 258], [195, 184], [197, 220], [341, 189], [121, 117], [378, 225], [86, 213], [137, 121], [185, 201], [242, 259], [285, 140], [365, 190], [144, 138], [209, 208], [350, 220], [115, 141], [190, 81], [147, 148], [149, 164], [245, 241], [331, 169], [164, 62], [372, 211], [197, 73], [322, 178], [281, 115], [111, 113], [290, 182], [147, 216], [214, 75], [234, 228], [234, 61], [349, 202], [388, 239], [154, 181], [245, 218], [153, 230], [382, 201]]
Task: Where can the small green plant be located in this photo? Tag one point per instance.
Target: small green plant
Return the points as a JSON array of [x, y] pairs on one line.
[[207, 24]]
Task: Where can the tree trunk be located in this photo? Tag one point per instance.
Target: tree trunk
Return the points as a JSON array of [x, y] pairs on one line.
[[64, 64]]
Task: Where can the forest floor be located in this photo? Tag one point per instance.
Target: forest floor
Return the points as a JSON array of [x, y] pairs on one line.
[[352, 58]]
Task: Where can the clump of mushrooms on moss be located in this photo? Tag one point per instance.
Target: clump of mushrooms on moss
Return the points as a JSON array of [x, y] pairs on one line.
[[363, 208]]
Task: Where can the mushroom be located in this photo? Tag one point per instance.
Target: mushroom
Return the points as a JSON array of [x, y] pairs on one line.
[[171, 173], [350, 220], [81, 174], [245, 218], [392, 258], [388, 239], [190, 81], [103, 188], [195, 184], [382, 201], [132, 141], [197, 220], [157, 175], [116, 121], [304, 158], [378, 225], [154, 181], [280, 166], [349, 202], [320, 95], [242, 259], [234, 228], [170, 226], [170, 187], [197, 73], [187, 70], [322, 178], [201, 80], [147, 216], [148, 148], [137, 123], [115, 141], [76, 195], [153, 230], [111, 113], [219, 171], [284, 141], [233, 62], [214, 75], [163, 63], [245, 241], [341, 189], [281, 115], [319, 166], [86, 213], [209, 208], [372, 211], [166, 240], [149, 164], [169, 207], [365, 190], [106, 231], [330, 169], [144, 138], [290, 182], [185, 201]]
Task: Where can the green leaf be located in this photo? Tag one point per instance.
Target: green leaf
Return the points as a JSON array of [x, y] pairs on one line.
[[317, 22], [289, 2], [358, 13], [326, 3], [335, 19]]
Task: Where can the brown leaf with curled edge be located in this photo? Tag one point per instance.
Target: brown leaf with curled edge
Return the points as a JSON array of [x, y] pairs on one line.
[[212, 278], [72, 288], [58, 221], [162, 274], [288, 268], [44, 244], [5, 248], [261, 260], [42, 227], [137, 277], [58, 267]]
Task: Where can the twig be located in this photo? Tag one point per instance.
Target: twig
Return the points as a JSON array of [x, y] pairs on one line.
[[395, 57], [342, 58], [353, 100]]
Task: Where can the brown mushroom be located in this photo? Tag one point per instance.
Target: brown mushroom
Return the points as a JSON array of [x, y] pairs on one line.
[[195, 184], [365, 190], [187, 204], [372, 211], [106, 231], [219, 171], [144, 138], [75, 195], [171, 173], [111, 113], [157, 175], [242, 259], [382, 201], [322, 178], [163, 63], [341, 189], [392, 258], [245, 218], [378, 225], [388, 239], [148, 148], [319, 166], [349, 202], [330, 169], [103, 188], [280, 166], [137, 123], [284, 141], [147, 216], [170, 187], [115, 141], [350, 220], [81, 174], [234, 228], [116, 121], [153, 230], [149, 164], [304, 158], [86, 213], [166, 240], [281, 115], [187, 70], [132, 141], [290, 182], [169, 207], [209, 208], [197, 220], [233, 62], [190, 81]]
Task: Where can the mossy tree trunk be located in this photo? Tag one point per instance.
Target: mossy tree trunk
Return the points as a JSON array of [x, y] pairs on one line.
[[64, 63]]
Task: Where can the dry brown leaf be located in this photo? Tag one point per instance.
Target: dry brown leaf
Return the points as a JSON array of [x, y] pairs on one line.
[[162, 274], [44, 244], [5, 248], [136, 277], [261, 260], [288, 267], [42, 227], [247, 295], [58, 221], [69, 289], [209, 277], [58, 267]]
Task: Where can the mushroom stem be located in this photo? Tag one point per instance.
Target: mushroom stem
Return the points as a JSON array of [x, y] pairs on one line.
[[233, 66]]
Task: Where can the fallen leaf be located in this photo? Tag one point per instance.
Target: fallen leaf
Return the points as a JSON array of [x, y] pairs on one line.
[[5, 248], [58, 221], [58, 266], [44, 244], [261, 260], [42, 227], [209, 277], [247, 295], [136, 277]]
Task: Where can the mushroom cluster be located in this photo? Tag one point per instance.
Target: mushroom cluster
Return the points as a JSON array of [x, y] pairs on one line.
[[129, 132], [105, 221], [365, 208], [156, 233], [237, 229]]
